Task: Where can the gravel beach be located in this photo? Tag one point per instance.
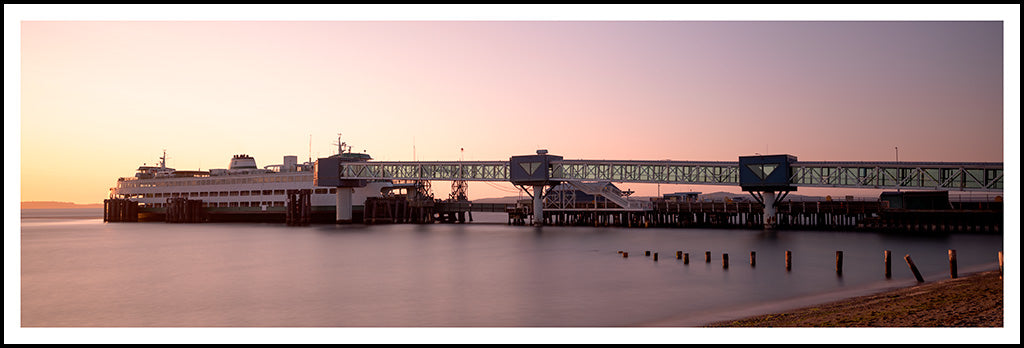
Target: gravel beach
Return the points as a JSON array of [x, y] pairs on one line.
[[974, 300]]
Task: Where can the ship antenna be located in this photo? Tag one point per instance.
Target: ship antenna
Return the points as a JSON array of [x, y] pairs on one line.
[[310, 149]]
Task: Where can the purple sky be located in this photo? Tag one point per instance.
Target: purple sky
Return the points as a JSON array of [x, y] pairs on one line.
[[583, 89]]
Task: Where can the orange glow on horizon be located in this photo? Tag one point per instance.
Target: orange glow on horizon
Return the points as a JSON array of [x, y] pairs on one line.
[[100, 98]]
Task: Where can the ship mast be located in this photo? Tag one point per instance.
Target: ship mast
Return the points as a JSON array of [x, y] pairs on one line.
[[341, 146]]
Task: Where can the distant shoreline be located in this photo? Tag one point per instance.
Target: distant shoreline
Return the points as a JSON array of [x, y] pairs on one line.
[[58, 205]]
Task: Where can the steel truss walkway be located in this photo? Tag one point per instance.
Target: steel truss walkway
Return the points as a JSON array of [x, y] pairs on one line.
[[948, 176]]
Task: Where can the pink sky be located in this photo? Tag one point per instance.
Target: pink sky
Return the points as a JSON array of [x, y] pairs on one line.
[[103, 97]]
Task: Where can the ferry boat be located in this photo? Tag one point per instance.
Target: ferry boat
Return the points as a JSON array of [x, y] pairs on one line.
[[242, 192]]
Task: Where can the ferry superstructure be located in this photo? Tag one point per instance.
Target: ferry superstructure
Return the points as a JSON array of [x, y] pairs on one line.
[[242, 192]]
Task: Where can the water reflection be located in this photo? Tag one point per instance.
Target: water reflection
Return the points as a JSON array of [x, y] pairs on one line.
[[450, 275]]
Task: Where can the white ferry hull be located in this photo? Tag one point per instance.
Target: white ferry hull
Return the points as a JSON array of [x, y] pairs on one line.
[[251, 198]]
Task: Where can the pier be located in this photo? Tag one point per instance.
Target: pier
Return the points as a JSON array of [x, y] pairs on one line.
[[789, 215], [577, 192]]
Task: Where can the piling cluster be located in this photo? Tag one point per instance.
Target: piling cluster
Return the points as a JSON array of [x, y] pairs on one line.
[[120, 210], [184, 210], [403, 209], [298, 207], [887, 260]]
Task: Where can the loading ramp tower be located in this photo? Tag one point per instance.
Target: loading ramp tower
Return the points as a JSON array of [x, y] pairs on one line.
[[767, 178], [534, 170]]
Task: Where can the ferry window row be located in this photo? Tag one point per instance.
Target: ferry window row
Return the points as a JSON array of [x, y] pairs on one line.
[[219, 181], [319, 191]]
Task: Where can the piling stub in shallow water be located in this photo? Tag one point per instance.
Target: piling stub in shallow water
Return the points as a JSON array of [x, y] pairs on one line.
[[1000, 265], [913, 268], [888, 263], [789, 260], [952, 264], [839, 263]]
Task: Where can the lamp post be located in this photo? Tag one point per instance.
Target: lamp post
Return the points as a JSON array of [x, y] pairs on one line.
[[899, 173]]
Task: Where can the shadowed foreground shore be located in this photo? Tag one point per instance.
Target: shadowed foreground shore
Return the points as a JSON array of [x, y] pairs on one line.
[[974, 300]]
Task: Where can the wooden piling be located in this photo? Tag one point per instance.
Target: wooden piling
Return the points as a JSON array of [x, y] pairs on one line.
[[707, 257], [647, 253], [952, 263], [180, 209], [1000, 265], [888, 264], [913, 268], [753, 259], [299, 208], [725, 260], [120, 210], [686, 259], [679, 255], [839, 263], [655, 256], [789, 260], [625, 254]]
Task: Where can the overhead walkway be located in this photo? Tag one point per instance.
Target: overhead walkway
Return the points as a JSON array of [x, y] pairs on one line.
[[952, 176], [768, 178]]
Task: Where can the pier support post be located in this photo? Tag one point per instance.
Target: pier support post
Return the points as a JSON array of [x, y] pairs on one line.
[[538, 205], [769, 210], [343, 212]]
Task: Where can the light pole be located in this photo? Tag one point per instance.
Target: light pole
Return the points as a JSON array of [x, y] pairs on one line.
[[899, 173]]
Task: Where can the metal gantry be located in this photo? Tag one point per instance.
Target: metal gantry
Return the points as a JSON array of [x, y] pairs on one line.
[[458, 170], [949, 176], [660, 172], [967, 176]]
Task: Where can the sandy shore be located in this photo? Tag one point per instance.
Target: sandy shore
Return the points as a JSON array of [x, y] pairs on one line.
[[974, 300]]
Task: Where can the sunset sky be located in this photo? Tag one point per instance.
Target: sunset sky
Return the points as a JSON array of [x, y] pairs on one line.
[[103, 93], [91, 92]]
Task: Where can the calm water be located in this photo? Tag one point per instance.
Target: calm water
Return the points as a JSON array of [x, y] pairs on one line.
[[77, 271]]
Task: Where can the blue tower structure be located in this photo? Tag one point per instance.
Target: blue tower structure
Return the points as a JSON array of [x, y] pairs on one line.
[[534, 170], [767, 178]]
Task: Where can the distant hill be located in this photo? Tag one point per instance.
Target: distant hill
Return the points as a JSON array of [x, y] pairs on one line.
[[57, 205], [505, 200]]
